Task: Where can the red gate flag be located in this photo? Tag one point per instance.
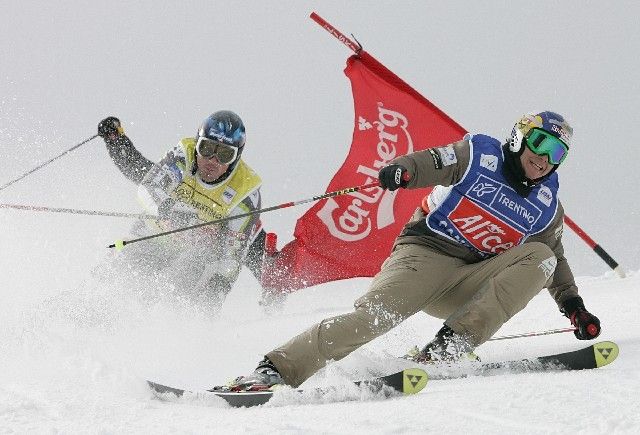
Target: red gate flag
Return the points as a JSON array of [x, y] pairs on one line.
[[351, 235]]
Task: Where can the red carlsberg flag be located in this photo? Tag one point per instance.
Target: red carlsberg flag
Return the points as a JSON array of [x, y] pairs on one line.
[[351, 235]]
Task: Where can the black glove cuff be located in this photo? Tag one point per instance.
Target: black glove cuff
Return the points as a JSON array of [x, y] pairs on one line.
[[118, 143], [571, 305]]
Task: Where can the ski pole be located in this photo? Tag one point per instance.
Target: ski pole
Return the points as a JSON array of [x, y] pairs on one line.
[[596, 248], [533, 334], [78, 211], [47, 162], [119, 244], [356, 48]]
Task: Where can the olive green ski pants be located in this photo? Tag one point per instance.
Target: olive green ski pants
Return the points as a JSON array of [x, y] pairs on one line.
[[474, 299]]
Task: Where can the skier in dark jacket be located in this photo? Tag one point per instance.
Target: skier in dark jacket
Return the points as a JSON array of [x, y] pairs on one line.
[[486, 241]]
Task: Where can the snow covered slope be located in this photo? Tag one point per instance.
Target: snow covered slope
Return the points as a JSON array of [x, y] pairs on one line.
[[77, 363]]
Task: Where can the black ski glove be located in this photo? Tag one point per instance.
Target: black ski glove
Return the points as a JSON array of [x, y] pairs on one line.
[[109, 128], [588, 325], [393, 177]]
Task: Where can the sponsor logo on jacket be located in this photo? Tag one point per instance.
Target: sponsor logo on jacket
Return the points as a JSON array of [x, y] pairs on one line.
[[545, 196], [447, 155], [483, 230], [548, 266], [505, 202], [489, 162], [228, 194]]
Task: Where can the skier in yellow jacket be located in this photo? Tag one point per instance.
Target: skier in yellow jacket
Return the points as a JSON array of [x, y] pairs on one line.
[[202, 178]]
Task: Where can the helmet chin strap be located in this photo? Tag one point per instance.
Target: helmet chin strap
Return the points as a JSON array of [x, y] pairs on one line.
[[515, 172]]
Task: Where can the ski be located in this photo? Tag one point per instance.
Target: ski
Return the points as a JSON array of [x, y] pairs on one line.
[[407, 381], [591, 357]]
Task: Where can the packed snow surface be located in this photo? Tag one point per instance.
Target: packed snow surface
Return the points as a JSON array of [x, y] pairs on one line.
[[78, 361]]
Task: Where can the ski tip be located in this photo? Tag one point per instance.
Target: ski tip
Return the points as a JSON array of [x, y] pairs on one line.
[[413, 380], [605, 352], [160, 390]]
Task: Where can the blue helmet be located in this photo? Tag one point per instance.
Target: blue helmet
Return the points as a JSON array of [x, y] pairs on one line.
[[550, 122], [224, 126]]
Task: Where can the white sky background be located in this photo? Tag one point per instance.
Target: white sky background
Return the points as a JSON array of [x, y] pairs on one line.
[[162, 67]]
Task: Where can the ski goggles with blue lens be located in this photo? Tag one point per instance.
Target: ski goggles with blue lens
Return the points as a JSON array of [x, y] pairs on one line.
[[543, 143], [209, 148]]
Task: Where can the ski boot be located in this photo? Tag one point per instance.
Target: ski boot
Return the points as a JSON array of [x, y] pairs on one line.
[[447, 346], [264, 378]]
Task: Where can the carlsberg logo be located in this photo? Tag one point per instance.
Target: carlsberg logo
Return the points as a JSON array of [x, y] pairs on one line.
[[353, 221]]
